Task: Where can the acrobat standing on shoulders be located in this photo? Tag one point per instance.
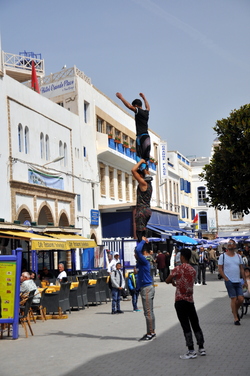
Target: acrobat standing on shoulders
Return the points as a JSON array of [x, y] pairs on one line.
[[144, 193], [143, 144]]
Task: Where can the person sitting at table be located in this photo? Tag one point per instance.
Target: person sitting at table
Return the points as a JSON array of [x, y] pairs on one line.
[[32, 275], [46, 275], [62, 273], [27, 285]]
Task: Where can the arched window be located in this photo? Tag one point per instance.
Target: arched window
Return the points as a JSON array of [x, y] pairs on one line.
[[47, 147], [20, 137], [26, 140], [65, 154], [201, 193], [42, 145]]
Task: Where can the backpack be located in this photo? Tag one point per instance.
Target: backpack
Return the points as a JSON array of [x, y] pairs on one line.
[[110, 283]]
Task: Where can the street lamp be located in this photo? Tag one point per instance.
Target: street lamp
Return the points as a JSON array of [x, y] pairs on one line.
[[54, 160]]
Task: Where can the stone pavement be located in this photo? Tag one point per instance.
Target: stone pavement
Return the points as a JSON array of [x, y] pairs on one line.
[[94, 342]]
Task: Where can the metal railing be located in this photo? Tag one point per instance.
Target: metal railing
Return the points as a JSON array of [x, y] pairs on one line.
[[22, 62]]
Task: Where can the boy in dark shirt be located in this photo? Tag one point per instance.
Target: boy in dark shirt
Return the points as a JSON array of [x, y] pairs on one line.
[[143, 145], [182, 277]]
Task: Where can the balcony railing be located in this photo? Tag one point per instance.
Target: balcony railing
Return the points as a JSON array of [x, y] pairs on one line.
[[126, 151], [22, 62]]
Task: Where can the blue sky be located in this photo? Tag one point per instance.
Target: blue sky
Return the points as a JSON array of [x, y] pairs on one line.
[[191, 58]]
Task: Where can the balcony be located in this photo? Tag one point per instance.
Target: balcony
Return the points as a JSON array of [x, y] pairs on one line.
[[115, 153], [19, 66]]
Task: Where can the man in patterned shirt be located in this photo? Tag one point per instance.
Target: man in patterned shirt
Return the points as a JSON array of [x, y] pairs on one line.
[[182, 277]]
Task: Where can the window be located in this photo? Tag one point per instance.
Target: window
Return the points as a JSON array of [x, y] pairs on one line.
[[183, 211], [26, 140], [60, 104], [134, 184], [42, 145], [201, 192], [47, 147], [84, 152], [111, 183], [119, 182], [203, 220], [187, 213], [127, 187], [20, 137], [132, 143], [60, 148], [99, 123], [65, 154], [109, 129], [93, 194], [238, 216], [181, 184], [102, 179], [86, 112], [78, 197], [192, 214]]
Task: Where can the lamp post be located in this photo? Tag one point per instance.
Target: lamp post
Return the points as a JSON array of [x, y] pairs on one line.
[[54, 160]]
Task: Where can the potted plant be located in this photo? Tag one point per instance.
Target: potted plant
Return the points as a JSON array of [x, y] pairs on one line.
[[132, 149], [117, 140], [151, 160], [125, 144], [110, 135]]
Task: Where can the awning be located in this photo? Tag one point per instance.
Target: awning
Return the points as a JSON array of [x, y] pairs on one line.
[[74, 241], [159, 231], [37, 242], [185, 239]]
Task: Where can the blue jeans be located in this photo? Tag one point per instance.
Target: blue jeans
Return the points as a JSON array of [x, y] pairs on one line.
[[116, 293], [134, 296]]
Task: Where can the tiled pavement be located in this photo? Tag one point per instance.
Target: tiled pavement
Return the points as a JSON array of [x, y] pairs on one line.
[[94, 342]]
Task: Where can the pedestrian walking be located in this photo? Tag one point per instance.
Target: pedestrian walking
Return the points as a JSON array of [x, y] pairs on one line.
[[230, 266]]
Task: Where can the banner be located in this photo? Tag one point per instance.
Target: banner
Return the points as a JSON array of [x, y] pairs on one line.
[[45, 180], [163, 161]]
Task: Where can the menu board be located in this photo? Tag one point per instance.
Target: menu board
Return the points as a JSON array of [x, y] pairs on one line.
[[7, 289]]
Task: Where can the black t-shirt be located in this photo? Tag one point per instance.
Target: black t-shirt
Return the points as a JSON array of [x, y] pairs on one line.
[[141, 121]]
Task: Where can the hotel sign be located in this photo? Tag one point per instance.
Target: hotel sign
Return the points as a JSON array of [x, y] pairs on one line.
[[58, 88]]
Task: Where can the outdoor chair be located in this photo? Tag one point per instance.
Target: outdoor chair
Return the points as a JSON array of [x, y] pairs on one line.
[[38, 307], [75, 297], [84, 287], [24, 318], [94, 293], [58, 301], [103, 295]]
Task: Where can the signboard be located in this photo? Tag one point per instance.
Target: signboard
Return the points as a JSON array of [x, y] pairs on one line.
[[163, 161], [7, 289], [94, 217], [58, 88]]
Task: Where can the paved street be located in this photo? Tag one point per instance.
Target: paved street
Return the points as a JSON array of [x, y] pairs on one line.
[[94, 342]]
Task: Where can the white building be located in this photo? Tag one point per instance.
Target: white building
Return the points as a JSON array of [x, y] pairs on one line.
[[221, 222]]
